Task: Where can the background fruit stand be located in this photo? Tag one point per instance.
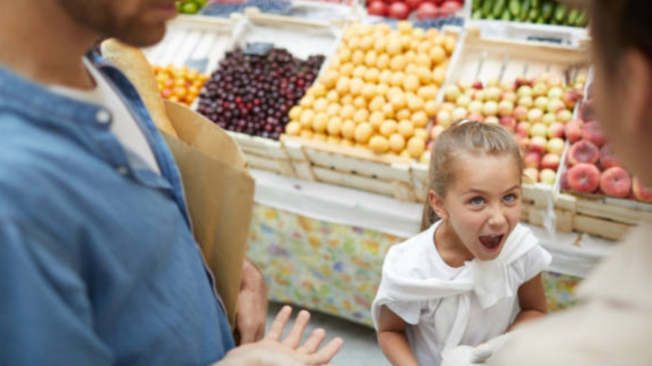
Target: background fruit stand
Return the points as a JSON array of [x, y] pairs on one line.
[[336, 120]]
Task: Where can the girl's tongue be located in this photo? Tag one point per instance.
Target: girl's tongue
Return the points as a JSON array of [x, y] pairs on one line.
[[491, 242]]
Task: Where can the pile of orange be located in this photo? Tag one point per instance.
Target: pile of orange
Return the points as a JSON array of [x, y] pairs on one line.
[[179, 84]]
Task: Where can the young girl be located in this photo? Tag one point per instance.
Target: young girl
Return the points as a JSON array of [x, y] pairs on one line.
[[474, 272]]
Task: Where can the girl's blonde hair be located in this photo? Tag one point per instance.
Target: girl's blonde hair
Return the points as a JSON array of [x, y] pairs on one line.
[[465, 137]]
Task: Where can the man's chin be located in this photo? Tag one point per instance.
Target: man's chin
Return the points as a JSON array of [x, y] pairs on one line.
[[143, 38]]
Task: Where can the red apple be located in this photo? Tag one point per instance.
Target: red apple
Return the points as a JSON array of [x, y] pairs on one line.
[[556, 146], [641, 191], [583, 152], [476, 117], [556, 130], [531, 175], [584, 178], [591, 132], [573, 130], [550, 161], [436, 131], [615, 182], [523, 143], [477, 85], [565, 185], [523, 128], [532, 160], [564, 115], [538, 144], [378, 8], [548, 176], [539, 129], [520, 113], [508, 122], [399, 11], [607, 158]]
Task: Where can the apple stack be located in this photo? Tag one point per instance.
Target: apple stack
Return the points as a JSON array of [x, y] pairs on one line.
[[536, 110], [378, 92], [401, 9], [592, 167]]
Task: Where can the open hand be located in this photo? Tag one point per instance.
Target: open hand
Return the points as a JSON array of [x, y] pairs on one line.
[[272, 351]]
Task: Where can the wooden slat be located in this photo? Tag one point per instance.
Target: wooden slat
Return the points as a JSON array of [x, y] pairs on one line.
[[612, 212], [603, 228]]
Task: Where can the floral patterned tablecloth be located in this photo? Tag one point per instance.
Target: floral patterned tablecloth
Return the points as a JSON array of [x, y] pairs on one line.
[[335, 268]]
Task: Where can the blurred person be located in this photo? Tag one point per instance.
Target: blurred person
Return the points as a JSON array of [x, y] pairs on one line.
[[613, 326], [98, 265]]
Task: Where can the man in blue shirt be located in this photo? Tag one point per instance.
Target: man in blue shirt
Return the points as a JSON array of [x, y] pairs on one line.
[[97, 262]]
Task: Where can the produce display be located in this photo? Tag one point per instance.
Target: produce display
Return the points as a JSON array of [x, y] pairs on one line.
[[224, 9], [552, 12], [379, 90], [190, 6], [179, 84], [536, 110], [401, 9], [592, 167], [252, 93]]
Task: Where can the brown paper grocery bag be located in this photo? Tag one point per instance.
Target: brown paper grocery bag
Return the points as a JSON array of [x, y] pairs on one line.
[[219, 191]]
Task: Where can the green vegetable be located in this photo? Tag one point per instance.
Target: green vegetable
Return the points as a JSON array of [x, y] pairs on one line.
[[541, 20], [499, 7], [507, 16], [477, 5], [477, 14], [487, 6], [515, 8], [572, 16], [534, 14], [547, 8], [525, 10], [536, 3], [582, 19], [560, 13]]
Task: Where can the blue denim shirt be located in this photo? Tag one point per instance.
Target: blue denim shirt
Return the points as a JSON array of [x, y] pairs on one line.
[[97, 262]]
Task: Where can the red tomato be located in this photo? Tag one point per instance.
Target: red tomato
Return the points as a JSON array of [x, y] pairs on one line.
[[452, 5], [399, 11], [413, 4], [378, 7], [427, 10]]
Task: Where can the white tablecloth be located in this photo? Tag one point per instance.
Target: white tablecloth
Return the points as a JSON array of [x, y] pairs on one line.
[[573, 254]]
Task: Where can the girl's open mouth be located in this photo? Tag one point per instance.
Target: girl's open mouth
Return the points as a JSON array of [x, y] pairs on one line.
[[491, 242]]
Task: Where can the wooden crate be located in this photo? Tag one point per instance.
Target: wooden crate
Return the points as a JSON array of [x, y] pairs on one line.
[[602, 216], [201, 42], [351, 167]]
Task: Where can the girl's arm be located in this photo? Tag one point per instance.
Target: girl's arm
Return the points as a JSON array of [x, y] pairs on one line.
[[532, 299], [392, 339]]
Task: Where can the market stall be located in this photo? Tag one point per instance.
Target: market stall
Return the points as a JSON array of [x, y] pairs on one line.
[[336, 117]]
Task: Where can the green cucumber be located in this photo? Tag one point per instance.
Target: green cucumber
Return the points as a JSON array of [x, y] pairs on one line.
[[560, 13], [572, 16], [477, 14], [487, 6], [534, 14], [582, 19], [499, 7], [507, 16], [547, 9], [515, 8], [525, 10], [477, 5]]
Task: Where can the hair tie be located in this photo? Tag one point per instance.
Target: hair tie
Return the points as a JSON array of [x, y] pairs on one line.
[[463, 122]]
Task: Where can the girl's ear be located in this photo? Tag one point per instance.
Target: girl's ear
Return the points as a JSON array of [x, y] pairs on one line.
[[437, 205]]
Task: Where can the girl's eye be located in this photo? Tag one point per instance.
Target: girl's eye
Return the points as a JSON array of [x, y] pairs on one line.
[[477, 201], [510, 198]]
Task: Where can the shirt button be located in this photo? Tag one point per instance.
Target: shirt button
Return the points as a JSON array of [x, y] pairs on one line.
[[122, 170], [103, 116]]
